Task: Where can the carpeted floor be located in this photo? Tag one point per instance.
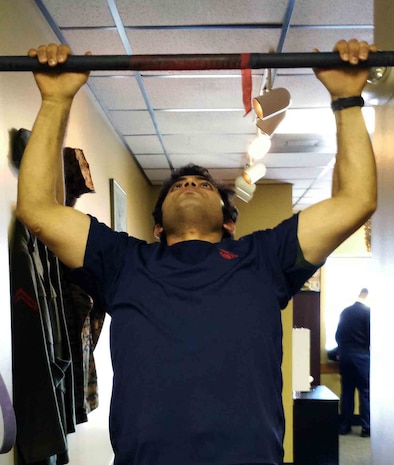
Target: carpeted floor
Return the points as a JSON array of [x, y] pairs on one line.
[[354, 450]]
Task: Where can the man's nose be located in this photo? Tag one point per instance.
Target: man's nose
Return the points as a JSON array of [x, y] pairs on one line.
[[189, 183]]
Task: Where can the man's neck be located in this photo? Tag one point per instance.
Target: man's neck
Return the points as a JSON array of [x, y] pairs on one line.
[[194, 235]]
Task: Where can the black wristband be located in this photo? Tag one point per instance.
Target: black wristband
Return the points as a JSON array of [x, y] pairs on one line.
[[347, 102]]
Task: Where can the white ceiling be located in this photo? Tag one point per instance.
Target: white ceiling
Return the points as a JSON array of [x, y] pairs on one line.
[[168, 119]]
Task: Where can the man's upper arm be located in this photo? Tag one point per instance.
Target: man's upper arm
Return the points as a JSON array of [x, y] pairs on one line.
[[325, 225], [65, 231]]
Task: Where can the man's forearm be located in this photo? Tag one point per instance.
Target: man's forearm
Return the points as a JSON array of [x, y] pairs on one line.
[[355, 169]]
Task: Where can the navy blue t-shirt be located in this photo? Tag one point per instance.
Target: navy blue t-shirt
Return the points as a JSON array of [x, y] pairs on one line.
[[196, 344]]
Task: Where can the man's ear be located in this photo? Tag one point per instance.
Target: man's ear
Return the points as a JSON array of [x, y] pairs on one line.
[[158, 231], [229, 226]]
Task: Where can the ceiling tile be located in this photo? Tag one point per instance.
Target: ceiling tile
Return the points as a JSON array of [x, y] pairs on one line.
[[181, 12], [305, 40], [197, 93], [205, 122], [192, 41], [133, 122], [211, 143], [151, 161], [232, 160], [333, 12], [144, 144], [118, 93], [97, 41], [297, 160], [293, 173], [80, 13], [156, 176]]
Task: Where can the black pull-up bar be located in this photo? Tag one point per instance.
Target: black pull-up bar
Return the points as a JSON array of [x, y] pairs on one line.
[[195, 62]]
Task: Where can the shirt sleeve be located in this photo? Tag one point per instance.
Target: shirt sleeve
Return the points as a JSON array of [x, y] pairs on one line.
[[291, 270], [104, 257]]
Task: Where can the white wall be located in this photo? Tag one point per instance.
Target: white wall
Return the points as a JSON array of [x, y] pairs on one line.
[[22, 27], [382, 319]]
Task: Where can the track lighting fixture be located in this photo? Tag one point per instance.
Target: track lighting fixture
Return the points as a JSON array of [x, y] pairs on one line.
[[243, 189], [254, 172], [259, 147], [245, 184], [271, 102], [270, 108]]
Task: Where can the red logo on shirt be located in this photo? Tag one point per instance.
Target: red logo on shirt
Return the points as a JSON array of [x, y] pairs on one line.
[[228, 255]]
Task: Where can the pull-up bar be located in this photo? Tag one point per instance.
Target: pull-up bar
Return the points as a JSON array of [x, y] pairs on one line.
[[195, 62]]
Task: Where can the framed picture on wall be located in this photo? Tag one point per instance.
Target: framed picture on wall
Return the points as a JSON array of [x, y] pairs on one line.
[[118, 206]]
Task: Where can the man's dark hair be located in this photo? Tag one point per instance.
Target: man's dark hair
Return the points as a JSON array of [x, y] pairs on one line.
[[230, 211]]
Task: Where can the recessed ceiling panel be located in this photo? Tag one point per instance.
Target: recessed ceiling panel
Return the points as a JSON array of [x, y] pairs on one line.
[[181, 12], [206, 122], [298, 160], [211, 160], [133, 122], [97, 41], [211, 143], [197, 93], [301, 40], [144, 144], [333, 12], [120, 93], [292, 173], [203, 41], [81, 13], [151, 161]]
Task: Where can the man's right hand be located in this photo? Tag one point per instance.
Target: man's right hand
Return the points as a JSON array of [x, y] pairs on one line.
[[52, 85]]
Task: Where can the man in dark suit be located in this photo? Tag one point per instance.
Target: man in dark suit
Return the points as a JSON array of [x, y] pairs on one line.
[[353, 338]]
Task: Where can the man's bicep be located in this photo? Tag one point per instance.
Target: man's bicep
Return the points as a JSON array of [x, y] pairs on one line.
[[323, 227], [65, 232]]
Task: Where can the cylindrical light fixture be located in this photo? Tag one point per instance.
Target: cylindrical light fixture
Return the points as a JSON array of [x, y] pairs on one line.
[[271, 102], [269, 125], [254, 173], [244, 190], [259, 147]]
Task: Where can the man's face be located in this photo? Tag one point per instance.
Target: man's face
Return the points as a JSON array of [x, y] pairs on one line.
[[192, 198]]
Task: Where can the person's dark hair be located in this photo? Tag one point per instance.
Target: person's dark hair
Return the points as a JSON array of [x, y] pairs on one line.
[[230, 211]]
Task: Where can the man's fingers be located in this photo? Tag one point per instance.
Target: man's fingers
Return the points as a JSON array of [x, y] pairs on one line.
[[51, 54], [353, 51], [63, 51]]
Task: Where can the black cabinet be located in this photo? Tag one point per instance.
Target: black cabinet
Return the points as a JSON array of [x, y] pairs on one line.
[[315, 427]]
